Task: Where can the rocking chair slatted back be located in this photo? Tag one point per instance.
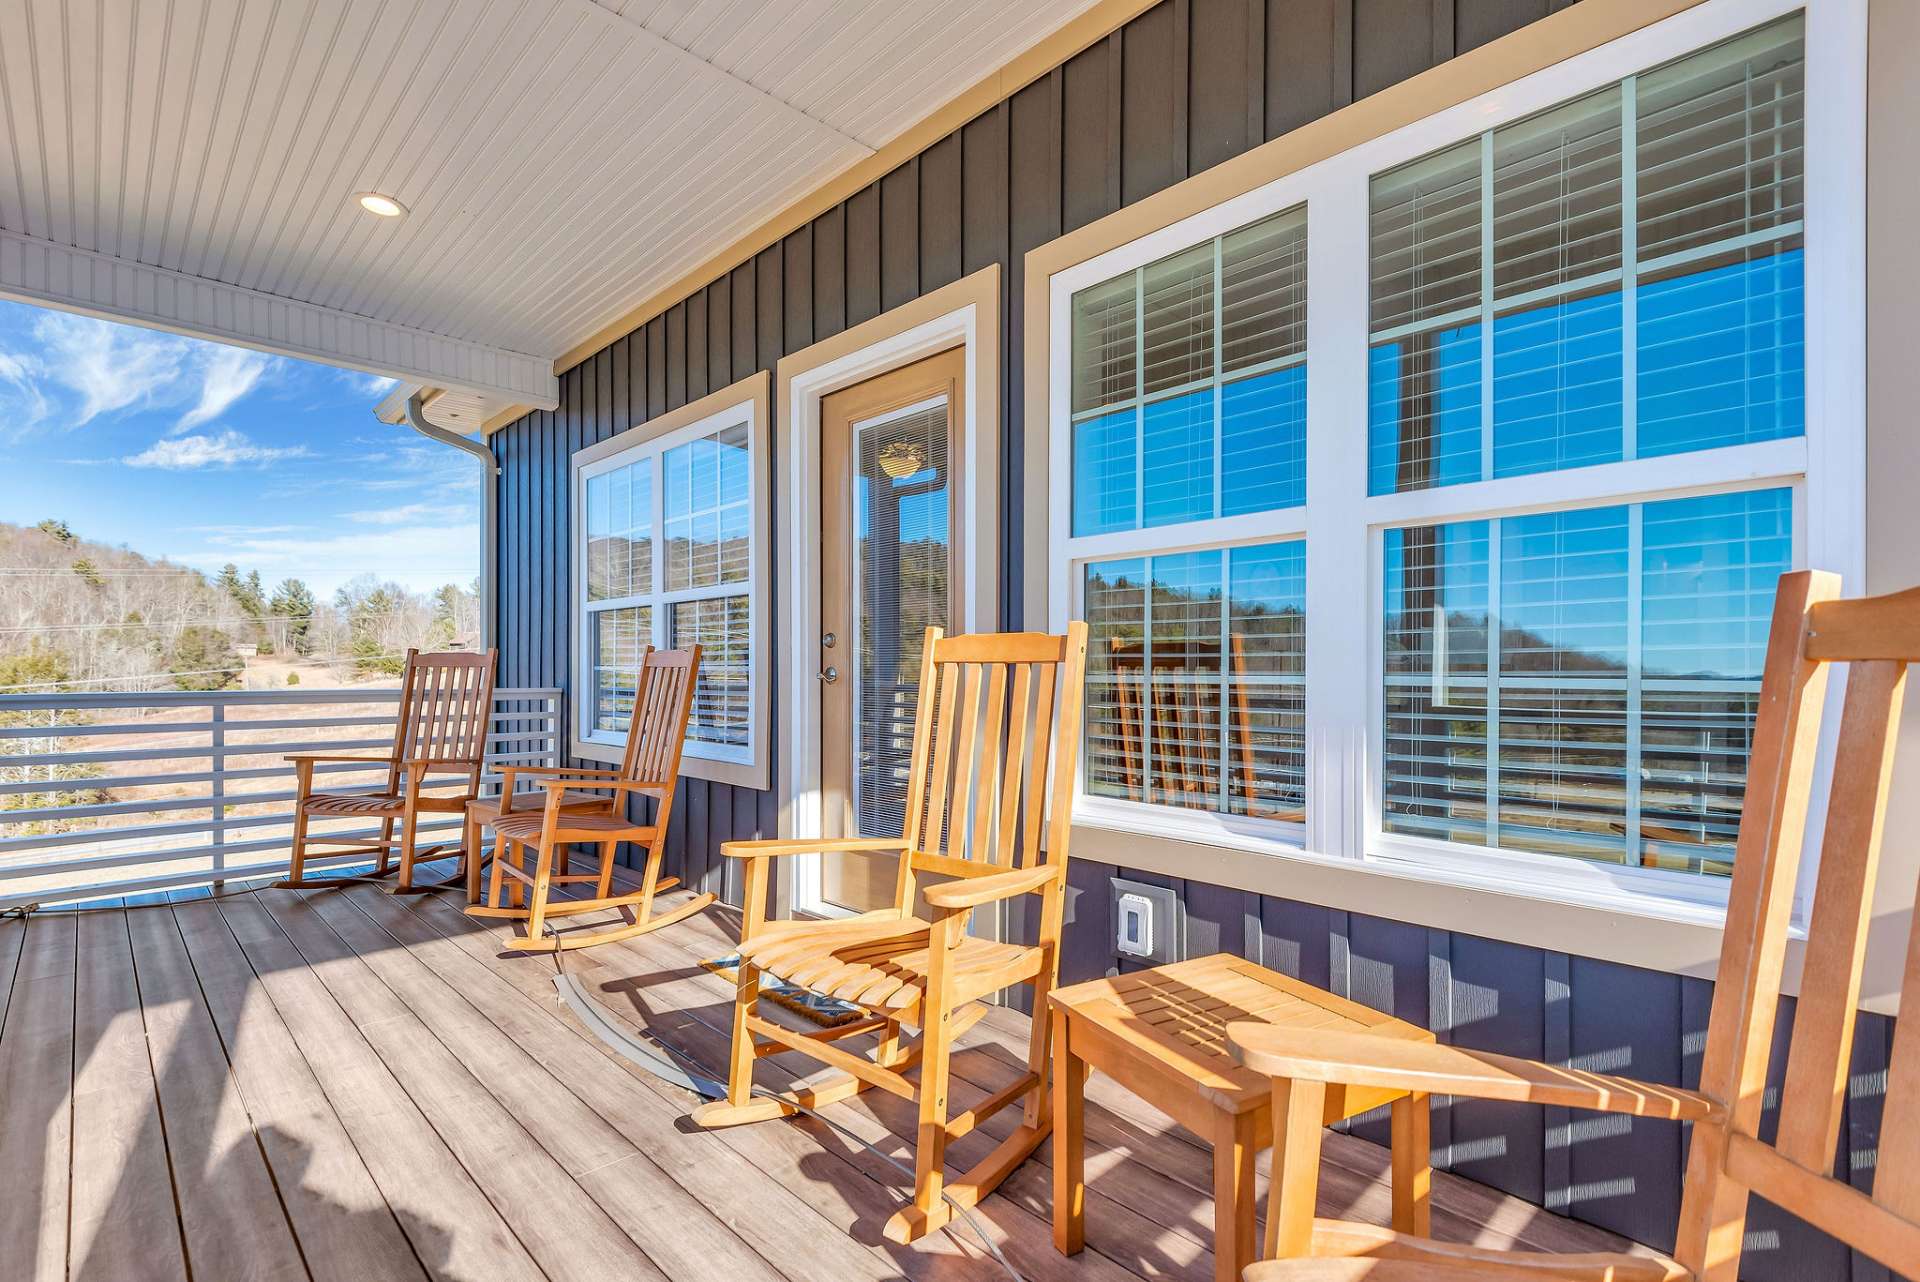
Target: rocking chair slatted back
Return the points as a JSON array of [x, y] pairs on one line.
[[657, 734], [446, 710], [1876, 638], [983, 737]]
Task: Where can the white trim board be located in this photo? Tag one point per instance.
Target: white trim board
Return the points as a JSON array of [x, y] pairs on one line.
[[100, 285], [745, 402]]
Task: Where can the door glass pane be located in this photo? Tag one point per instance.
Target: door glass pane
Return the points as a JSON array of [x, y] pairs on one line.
[[901, 558]]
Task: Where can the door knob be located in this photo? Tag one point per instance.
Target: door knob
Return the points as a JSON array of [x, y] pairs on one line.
[[830, 675]]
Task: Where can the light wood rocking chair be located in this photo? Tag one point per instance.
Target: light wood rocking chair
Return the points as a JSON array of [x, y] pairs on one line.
[[1728, 1160], [446, 710], [976, 796], [661, 705]]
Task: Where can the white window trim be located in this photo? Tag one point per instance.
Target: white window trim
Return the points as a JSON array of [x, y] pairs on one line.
[[1826, 469], [743, 403]]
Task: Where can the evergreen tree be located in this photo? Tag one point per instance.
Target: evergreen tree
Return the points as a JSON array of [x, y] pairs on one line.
[[251, 596], [228, 580], [89, 572], [203, 659], [293, 602], [56, 530]]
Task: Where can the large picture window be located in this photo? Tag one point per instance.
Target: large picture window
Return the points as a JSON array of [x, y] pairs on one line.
[[1446, 540], [665, 531], [1618, 277]]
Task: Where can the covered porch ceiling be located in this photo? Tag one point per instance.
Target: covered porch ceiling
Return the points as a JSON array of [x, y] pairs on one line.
[[193, 165]]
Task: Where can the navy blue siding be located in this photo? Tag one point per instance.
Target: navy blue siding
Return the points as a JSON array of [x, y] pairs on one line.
[[1186, 85]]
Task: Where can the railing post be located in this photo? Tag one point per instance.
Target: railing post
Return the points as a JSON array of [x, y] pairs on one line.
[[219, 789]]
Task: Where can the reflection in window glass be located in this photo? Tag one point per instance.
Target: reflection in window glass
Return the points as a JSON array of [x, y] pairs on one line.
[[707, 510], [704, 529], [1174, 422], [1105, 473], [1615, 723], [1519, 242], [620, 641], [620, 532], [722, 704], [1196, 680]]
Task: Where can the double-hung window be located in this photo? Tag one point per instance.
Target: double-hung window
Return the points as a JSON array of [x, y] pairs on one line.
[[1189, 422], [1486, 596], [667, 556]]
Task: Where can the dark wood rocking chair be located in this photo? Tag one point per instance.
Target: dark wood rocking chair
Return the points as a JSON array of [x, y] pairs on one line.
[[1729, 1159], [446, 711], [662, 703], [988, 727]]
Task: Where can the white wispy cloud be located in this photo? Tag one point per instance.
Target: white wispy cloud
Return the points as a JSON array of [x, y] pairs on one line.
[[226, 375], [109, 367], [410, 514], [368, 384], [224, 449], [22, 404]]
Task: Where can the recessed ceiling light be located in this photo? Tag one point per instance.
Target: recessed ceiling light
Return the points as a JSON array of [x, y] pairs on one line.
[[385, 206]]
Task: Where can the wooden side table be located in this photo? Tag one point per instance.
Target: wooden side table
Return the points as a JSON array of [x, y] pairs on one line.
[[1162, 1034]]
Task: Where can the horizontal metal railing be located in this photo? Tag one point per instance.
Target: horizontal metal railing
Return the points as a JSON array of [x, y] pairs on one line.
[[105, 795]]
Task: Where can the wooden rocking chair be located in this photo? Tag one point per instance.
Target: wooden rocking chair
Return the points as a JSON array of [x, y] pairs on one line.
[[1729, 1159], [661, 705], [984, 789], [446, 710]]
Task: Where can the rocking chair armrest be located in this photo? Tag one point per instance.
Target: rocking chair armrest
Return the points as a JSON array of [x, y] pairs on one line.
[[954, 896], [557, 789], [1372, 1059], [775, 847]]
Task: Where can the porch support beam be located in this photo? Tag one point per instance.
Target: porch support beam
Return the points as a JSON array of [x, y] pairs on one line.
[[93, 284]]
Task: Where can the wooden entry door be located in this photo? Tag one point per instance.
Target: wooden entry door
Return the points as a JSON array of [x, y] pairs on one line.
[[890, 489]]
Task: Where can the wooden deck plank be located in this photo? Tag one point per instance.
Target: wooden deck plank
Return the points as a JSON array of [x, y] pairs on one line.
[[231, 1218], [763, 1214], [13, 933], [803, 1158], [264, 1170], [454, 1230], [677, 1232], [123, 1223], [674, 981], [36, 1115], [558, 1221], [377, 1002]]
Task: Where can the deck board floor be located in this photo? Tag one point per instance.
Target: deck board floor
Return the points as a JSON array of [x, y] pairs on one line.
[[340, 1084]]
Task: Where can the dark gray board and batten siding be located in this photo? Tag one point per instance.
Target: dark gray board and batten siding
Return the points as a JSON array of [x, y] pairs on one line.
[[1182, 87]]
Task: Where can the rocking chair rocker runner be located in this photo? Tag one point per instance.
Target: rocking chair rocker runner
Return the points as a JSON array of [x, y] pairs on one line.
[[976, 798], [1729, 1160], [662, 704], [446, 710]]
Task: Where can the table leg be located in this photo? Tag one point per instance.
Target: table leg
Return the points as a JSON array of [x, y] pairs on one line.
[[1069, 1141], [1234, 1147], [1412, 1164]]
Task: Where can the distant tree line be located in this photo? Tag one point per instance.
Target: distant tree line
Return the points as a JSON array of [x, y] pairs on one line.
[[85, 615]]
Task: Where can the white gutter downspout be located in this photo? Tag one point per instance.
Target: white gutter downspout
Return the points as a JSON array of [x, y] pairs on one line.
[[489, 507]]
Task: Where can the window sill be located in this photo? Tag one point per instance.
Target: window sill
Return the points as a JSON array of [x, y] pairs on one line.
[[738, 774], [1632, 929]]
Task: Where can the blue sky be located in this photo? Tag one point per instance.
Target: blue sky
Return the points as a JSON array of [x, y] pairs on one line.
[[206, 454]]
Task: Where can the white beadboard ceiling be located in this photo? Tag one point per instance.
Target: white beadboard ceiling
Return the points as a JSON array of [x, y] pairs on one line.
[[193, 163]]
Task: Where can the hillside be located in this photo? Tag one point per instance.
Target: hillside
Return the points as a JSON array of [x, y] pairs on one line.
[[79, 614]]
